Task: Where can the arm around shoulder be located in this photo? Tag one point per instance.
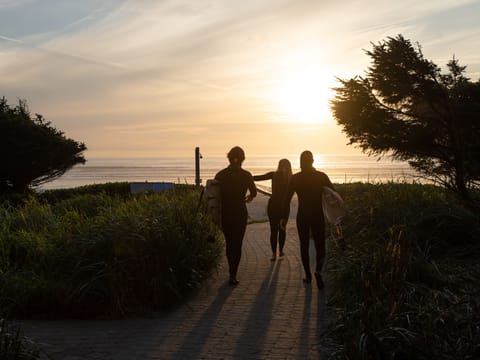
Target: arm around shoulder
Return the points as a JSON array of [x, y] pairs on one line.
[[267, 176]]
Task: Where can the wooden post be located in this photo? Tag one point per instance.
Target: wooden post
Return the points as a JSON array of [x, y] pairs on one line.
[[198, 156]]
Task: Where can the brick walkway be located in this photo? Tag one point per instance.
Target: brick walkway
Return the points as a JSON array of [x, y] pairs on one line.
[[269, 315]]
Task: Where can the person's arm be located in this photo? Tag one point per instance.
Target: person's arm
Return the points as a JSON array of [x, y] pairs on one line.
[[286, 204], [327, 182], [267, 176], [251, 188]]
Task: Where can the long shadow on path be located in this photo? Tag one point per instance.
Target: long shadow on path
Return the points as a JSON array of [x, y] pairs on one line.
[[250, 345], [198, 336]]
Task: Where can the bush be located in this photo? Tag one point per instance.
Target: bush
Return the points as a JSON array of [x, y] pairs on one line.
[[13, 346], [102, 255], [120, 189], [407, 286]]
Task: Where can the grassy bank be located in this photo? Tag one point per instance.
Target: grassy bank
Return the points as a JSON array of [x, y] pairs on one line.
[[14, 346], [103, 252], [408, 285]]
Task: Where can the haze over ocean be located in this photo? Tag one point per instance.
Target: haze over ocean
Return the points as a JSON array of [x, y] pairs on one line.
[[340, 169]]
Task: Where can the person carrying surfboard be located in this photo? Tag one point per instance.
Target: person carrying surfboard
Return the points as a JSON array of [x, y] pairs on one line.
[[234, 183], [280, 179], [308, 184]]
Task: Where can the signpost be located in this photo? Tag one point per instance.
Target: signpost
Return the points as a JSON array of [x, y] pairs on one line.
[[198, 156]]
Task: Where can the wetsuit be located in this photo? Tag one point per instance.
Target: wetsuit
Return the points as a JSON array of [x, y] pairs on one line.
[[308, 185], [274, 207], [234, 182]]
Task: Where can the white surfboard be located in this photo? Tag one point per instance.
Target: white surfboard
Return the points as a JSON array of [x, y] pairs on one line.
[[214, 201], [333, 206]]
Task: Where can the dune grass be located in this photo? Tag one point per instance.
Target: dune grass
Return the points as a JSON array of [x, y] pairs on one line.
[[408, 285], [13, 345], [98, 254]]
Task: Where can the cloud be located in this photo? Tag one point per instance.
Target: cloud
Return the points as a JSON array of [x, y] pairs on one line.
[[6, 38], [196, 66]]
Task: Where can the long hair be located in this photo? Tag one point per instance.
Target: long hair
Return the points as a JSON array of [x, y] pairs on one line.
[[285, 168]]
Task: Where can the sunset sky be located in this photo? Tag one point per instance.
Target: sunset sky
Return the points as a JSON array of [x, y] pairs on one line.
[[158, 78]]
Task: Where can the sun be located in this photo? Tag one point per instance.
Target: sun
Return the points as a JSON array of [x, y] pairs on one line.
[[301, 94]]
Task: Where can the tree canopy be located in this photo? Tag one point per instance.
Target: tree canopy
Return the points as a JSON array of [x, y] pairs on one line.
[[34, 151], [405, 107]]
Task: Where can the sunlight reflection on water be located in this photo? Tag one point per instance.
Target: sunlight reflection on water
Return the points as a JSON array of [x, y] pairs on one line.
[[340, 169]]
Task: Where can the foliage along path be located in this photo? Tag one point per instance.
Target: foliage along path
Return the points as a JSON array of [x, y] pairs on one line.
[[271, 314]]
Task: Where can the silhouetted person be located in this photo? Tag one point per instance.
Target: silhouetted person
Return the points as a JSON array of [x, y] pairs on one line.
[[234, 183], [308, 184], [280, 179]]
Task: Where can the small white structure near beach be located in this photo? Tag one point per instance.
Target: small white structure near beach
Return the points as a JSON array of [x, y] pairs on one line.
[[150, 187]]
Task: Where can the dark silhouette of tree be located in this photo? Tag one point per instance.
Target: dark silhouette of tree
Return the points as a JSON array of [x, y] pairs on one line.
[[405, 107], [34, 151]]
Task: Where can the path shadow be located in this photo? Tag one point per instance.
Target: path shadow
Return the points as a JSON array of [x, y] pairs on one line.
[[251, 343], [200, 332], [304, 342], [321, 321]]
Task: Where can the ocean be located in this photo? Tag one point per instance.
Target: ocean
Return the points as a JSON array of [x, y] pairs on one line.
[[340, 169]]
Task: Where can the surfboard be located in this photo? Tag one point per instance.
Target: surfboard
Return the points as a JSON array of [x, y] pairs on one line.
[[333, 206], [214, 201], [265, 190]]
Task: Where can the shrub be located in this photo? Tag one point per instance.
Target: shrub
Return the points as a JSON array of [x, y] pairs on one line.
[[404, 288], [120, 189], [13, 346], [95, 254]]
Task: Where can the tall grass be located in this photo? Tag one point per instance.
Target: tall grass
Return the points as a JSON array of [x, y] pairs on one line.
[[13, 345], [103, 255], [408, 284]]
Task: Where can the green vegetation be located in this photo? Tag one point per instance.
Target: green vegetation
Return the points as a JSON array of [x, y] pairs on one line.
[[407, 287], [87, 254], [37, 151], [406, 107], [13, 346]]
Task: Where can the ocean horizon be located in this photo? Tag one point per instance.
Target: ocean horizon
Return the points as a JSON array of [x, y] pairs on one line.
[[339, 167]]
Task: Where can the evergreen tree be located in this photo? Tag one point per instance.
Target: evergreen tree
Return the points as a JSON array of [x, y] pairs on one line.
[[405, 107], [34, 151]]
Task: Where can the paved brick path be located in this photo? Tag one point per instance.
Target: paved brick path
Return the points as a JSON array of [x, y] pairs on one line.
[[269, 315]]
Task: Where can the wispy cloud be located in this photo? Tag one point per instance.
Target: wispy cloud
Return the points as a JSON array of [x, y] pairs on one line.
[[171, 66], [6, 38]]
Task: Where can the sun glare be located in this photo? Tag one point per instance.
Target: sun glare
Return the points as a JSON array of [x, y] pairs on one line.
[[301, 93]]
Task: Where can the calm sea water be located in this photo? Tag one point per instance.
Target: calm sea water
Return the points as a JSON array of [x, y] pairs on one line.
[[340, 169]]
